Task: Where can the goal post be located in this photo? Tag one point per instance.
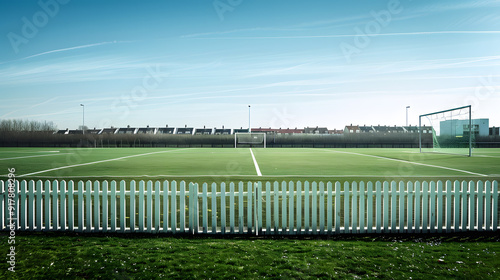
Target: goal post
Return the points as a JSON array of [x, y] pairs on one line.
[[449, 131], [250, 139]]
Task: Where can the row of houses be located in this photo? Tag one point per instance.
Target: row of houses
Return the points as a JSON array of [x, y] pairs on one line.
[[229, 131], [385, 129]]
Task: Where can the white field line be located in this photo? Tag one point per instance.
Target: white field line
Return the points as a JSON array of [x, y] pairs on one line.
[[96, 162], [35, 156], [410, 162], [256, 164]]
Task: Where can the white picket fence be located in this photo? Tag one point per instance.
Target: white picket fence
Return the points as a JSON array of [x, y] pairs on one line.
[[269, 208]]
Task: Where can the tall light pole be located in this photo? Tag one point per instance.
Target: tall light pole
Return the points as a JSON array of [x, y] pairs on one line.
[[249, 128], [407, 107], [83, 124]]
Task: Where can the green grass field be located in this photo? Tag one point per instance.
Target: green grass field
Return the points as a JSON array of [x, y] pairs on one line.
[[128, 256], [209, 164]]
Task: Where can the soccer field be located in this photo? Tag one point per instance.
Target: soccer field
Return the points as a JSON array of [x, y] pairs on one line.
[[255, 164]]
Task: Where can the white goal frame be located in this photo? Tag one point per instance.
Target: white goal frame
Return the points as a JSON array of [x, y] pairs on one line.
[[449, 110], [254, 133]]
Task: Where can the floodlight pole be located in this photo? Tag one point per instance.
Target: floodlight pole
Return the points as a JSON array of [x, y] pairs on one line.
[[407, 107], [83, 124], [249, 128], [420, 133]]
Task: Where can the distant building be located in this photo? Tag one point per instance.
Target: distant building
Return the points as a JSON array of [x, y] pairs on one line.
[[166, 130], [111, 130], [185, 130], [222, 131], [494, 131], [289, 131], [126, 130], [336, 131], [240, 130], [62, 131], [146, 130], [203, 131], [352, 129], [480, 127], [315, 130]]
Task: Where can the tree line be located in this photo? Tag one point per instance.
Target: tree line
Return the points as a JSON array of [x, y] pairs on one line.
[[17, 125]]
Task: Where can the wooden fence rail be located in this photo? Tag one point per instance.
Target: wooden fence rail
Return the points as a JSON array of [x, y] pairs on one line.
[[257, 208]]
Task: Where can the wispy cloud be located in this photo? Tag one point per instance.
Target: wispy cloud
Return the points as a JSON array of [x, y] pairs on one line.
[[477, 32], [73, 48]]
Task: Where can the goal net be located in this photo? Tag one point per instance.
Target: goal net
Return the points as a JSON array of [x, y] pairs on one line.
[[450, 131], [249, 140]]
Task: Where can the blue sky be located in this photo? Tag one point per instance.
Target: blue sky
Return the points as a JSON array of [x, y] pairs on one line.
[[201, 63]]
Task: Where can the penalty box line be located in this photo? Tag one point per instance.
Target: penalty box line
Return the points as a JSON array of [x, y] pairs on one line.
[[410, 162], [96, 162], [255, 163]]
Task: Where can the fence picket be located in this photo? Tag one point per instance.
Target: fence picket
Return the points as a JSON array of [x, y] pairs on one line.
[[241, 213], [132, 199], [149, 207], [314, 208], [401, 207], [378, 203], [223, 208], [283, 208], [80, 206], [386, 206], [494, 224], [369, 207], [231, 208], [393, 199], [214, 207], [409, 212], [418, 208], [105, 206], [321, 199], [268, 208], [204, 207], [439, 210], [3, 203], [88, 206], [425, 206], [31, 206], [38, 206], [173, 207], [306, 208], [472, 205], [113, 206], [338, 206], [22, 205], [97, 207], [46, 204], [354, 207], [345, 194], [456, 212], [464, 192], [291, 208], [249, 207], [123, 207], [480, 205], [449, 192], [362, 212], [329, 213], [487, 206], [299, 208], [165, 206], [182, 207], [55, 205]]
